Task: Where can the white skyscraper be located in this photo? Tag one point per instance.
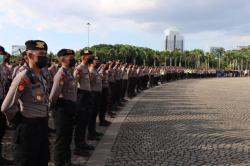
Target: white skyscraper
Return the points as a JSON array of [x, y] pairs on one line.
[[174, 41]]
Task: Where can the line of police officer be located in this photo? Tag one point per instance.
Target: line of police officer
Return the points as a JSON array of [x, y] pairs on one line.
[[76, 95]]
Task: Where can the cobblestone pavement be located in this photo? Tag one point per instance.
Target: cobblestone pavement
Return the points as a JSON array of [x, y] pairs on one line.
[[190, 122]]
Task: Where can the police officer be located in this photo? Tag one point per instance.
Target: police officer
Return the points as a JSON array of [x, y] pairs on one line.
[[53, 68], [130, 81], [3, 81], [84, 103], [26, 105], [111, 98], [64, 96], [117, 83], [96, 90], [103, 70], [139, 79], [124, 82]]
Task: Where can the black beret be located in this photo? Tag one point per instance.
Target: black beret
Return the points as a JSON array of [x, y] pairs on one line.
[[36, 45], [2, 49], [86, 52], [92, 58], [65, 52]]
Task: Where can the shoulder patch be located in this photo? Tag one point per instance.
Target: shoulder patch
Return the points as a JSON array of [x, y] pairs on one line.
[[23, 83], [62, 79]]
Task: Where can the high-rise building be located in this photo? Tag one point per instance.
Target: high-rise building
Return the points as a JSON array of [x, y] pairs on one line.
[[174, 41]]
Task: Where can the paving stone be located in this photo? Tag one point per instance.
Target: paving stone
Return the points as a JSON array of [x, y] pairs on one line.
[[190, 122]]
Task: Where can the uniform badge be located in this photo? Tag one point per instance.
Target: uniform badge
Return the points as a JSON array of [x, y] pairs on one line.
[[39, 98], [40, 44], [61, 82], [21, 88], [22, 84], [39, 95]]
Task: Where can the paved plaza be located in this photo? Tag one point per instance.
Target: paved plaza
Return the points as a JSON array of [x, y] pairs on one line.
[[186, 122], [190, 122]]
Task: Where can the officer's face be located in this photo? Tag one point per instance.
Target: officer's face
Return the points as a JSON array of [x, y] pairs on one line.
[[33, 56], [95, 62], [85, 58], [67, 59]]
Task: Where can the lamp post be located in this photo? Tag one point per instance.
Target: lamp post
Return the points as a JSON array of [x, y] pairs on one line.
[[88, 24]]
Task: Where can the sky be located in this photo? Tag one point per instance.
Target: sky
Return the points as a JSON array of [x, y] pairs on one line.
[[62, 23]]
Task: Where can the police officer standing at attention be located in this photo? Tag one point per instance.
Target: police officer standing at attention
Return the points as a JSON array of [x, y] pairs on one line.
[[3, 81], [64, 96], [103, 70], [96, 88], [26, 105], [124, 82], [84, 103]]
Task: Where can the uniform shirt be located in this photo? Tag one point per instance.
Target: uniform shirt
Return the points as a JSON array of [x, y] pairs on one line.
[[150, 72], [6, 77], [120, 75], [27, 93], [129, 71], [7, 70], [19, 69], [81, 73], [96, 80], [116, 72], [3, 81], [133, 73], [22, 68], [15, 71], [139, 72], [117, 76], [105, 81], [48, 77], [124, 73], [53, 69], [111, 75], [144, 72], [64, 86]]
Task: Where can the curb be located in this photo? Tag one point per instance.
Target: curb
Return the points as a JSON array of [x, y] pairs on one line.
[[103, 149]]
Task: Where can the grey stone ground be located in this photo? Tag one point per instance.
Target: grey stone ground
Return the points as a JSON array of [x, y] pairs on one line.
[[189, 122]]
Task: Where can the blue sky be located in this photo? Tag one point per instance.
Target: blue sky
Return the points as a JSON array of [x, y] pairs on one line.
[[62, 24]]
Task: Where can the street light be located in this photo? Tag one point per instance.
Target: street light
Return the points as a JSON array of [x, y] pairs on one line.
[[88, 24]]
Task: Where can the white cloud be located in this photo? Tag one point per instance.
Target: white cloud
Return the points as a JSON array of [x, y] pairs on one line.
[[120, 6], [204, 23]]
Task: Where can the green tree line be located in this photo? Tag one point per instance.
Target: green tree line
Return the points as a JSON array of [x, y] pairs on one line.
[[217, 58]]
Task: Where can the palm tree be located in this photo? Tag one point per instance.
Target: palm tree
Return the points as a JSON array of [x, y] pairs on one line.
[[196, 55]]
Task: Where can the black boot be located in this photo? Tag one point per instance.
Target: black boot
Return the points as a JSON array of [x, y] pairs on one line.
[[105, 123], [81, 152]]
